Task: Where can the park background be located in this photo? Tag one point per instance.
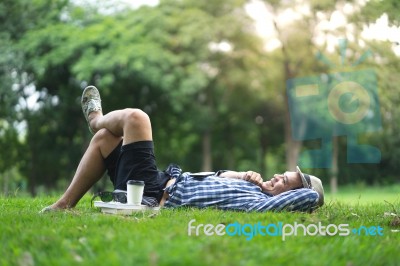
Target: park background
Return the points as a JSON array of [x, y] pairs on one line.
[[211, 74], [213, 77]]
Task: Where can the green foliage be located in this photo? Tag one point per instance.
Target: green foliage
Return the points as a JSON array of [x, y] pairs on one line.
[[375, 8], [196, 67], [161, 58]]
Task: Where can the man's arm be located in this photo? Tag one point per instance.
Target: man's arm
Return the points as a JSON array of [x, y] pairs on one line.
[[303, 199], [249, 176]]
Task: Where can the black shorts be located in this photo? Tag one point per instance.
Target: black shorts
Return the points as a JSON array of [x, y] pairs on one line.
[[136, 161]]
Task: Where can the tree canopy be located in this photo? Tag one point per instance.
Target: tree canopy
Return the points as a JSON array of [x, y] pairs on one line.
[[216, 96]]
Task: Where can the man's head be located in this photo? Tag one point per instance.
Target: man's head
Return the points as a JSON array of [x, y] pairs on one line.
[[312, 182], [294, 180]]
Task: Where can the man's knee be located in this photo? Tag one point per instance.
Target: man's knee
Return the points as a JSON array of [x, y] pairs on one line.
[[136, 117]]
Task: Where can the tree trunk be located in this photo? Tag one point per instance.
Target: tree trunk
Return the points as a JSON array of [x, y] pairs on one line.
[[6, 183], [32, 176], [334, 170], [263, 148], [207, 160], [292, 147]]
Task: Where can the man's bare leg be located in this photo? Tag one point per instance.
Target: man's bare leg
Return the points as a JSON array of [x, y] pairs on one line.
[[131, 125], [90, 169]]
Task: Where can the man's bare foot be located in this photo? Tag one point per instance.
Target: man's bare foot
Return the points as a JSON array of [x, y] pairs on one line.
[[58, 206]]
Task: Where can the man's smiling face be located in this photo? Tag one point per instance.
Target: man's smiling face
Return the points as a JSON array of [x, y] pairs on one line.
[[281, 183]]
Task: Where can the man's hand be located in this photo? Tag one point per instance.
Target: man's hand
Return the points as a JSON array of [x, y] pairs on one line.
[[252, 177]]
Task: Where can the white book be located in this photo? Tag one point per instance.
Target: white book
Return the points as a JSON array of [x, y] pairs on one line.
[[202, 174], [114, 207]]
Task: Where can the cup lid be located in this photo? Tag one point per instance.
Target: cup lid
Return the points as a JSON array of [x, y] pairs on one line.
[[135, 182]]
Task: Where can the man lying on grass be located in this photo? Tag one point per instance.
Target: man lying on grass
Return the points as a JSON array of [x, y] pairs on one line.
[[122, 145]]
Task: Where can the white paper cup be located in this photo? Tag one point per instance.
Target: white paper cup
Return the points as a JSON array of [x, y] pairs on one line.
[[134, 192]]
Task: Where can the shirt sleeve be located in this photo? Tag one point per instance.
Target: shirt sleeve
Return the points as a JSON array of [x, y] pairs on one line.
[[173, 170], [303, 199]]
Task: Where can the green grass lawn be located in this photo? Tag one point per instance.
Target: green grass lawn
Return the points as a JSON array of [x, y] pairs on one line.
[[365, 195], [85, 236]]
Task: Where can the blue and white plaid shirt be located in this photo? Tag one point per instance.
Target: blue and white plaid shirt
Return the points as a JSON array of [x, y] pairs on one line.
[[235, 194]]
